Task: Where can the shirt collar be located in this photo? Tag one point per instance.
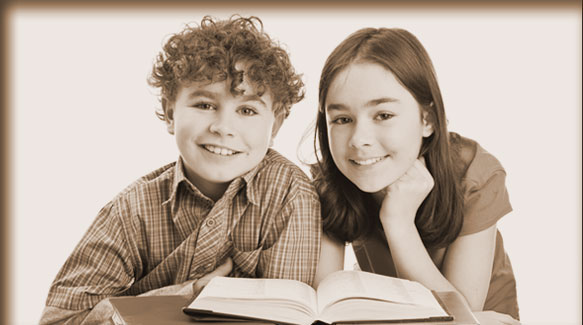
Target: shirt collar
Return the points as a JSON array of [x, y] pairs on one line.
[[179, 177], [251, 191]]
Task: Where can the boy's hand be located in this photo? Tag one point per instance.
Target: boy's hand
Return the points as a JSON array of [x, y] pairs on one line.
[[404, 196], [223, 270]]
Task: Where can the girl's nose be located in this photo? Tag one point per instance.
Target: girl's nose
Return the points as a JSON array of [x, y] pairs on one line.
[[361, 136]]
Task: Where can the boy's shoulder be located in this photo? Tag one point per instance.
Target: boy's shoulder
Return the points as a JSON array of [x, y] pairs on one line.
[[276, 173], [160, 181]]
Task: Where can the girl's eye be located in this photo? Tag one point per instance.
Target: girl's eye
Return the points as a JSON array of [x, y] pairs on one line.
[[384, 116], [248, 111], [341, 120], [204, 106]]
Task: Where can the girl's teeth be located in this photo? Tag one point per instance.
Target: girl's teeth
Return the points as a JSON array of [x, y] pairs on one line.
[[368, 161], [219, 151]]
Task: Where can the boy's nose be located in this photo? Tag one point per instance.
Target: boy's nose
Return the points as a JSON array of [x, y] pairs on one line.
[[222, 125]]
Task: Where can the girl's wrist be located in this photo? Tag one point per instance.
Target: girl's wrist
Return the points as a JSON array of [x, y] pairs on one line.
[[399, 231], [398, 223]]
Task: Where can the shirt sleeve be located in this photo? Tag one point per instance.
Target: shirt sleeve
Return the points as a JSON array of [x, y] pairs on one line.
[[296, 251], [486, 197], [57, 316], [100, 266]]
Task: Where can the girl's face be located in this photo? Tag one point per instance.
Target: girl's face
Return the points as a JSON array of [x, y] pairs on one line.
[[375, 126]]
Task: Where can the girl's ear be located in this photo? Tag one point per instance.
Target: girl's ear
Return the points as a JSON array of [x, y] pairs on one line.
[[168, 108], [427, 126]]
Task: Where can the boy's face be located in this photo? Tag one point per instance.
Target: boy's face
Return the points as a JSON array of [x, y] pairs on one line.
[[220, 136]]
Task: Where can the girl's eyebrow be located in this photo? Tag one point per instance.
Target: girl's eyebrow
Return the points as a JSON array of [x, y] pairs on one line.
[[382, 100], [337, 107], [370, 103]]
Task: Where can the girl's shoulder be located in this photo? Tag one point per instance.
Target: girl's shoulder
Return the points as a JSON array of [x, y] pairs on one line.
[[475, 165], [483, 184]]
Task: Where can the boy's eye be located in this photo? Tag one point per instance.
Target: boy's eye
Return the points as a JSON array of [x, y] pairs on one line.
[[341, 120], [247, 111], [204, 106], [384, 116]]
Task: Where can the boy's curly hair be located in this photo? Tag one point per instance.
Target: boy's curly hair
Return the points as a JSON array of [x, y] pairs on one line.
[[209, 52]]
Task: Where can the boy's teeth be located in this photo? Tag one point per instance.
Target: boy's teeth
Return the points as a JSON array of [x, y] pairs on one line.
[[368, 161], [219, 151]]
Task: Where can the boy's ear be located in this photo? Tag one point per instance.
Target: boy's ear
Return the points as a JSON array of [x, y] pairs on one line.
[[277, 123], [427, 126], [168, 108]]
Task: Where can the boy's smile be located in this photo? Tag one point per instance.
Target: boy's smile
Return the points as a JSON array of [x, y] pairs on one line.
[[220, 135], [221, 151]]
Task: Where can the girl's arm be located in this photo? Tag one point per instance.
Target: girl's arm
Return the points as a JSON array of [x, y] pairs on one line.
[[468, 261], [331, 258], [466, 268], [467, 265]]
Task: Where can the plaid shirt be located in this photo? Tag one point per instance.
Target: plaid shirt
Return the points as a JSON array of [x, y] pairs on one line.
[[162, 230]]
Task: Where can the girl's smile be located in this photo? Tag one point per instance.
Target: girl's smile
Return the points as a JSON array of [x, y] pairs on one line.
[[375, 126], [369, 161]]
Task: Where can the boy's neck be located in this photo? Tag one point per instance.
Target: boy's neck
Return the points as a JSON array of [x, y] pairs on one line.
[[212, 190], [214, 193]]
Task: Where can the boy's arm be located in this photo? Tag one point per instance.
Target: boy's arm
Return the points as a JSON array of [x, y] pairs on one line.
[[100, 314], [294, 255], [100, 266], [55, 315], [103, 311]]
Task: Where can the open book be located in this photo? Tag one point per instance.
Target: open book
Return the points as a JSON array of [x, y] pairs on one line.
[[342, 297]]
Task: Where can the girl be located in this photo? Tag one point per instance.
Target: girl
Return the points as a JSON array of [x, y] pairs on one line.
[[416, 201]]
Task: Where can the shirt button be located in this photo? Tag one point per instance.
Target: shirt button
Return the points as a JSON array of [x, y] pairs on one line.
[[210, 222]]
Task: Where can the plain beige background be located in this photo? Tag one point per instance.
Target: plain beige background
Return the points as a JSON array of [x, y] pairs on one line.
[[83, 124]]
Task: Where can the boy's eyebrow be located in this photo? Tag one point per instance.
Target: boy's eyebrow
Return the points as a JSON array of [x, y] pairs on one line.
[[254, 97], [370, 103], [212, 95], [202, 93]]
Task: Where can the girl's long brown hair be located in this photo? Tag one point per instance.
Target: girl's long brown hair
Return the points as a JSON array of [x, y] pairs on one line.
[[348, 213]]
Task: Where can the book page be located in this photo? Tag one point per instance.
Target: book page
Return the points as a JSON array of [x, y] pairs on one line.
[[357, 284], [260, 289], [357, 310]]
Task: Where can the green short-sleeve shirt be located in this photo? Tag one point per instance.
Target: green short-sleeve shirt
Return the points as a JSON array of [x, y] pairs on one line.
[[485, 202]]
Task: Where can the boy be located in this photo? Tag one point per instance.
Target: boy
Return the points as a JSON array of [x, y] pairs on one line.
[[225, 90]]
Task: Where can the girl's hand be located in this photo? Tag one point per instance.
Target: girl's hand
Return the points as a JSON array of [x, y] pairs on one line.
[[404, 196]]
